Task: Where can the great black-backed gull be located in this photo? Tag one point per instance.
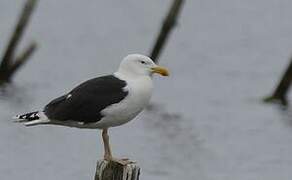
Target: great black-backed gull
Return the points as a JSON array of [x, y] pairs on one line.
[[102, 102]]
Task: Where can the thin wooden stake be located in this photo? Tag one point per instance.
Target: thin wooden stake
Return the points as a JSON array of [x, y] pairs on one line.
[[7, 64], [280, 93], [168, 24], [19, 61]]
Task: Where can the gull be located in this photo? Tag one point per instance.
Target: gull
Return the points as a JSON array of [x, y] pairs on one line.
[[102, 102]]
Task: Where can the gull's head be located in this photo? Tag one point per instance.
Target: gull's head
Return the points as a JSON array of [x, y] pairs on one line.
[[140, 65]]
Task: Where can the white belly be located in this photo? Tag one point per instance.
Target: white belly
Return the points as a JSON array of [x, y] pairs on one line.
[[139, 94]]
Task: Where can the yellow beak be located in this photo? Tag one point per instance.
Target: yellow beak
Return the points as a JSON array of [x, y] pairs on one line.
[[160, 70]]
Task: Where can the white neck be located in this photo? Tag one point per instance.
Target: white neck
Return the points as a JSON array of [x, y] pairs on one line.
[[125, 75]]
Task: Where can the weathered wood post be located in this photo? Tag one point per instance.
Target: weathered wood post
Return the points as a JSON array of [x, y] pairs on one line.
[[281, 91], [11, 63], [110, 170], [167, 25]]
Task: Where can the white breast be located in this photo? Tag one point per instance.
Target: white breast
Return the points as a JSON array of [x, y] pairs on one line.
[[139, 94]]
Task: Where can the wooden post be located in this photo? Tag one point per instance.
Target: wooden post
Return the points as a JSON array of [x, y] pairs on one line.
[[280, 93], [168, 24], [110, 170], [10, 63]]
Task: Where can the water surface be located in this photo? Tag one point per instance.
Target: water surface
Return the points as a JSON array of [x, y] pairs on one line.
[[207, 122]]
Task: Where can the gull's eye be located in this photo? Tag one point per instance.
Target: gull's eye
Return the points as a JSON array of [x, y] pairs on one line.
[[142, 62]]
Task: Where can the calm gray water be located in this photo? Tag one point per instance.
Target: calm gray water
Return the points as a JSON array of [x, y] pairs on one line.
[[207, 123]]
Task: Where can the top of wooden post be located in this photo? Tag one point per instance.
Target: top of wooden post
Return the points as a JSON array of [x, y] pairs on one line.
[[111, 170]]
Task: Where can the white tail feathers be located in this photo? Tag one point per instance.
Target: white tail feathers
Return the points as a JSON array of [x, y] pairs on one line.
[[32, 118], [36, 122]]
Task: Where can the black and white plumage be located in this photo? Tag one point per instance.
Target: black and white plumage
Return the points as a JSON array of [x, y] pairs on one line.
[[82, 107], [84, 104], [102, 102]]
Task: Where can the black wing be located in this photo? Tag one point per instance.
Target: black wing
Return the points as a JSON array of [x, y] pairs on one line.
[[85, 102]]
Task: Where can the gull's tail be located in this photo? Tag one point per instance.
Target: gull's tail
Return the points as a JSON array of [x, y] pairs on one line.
[[32, 118]]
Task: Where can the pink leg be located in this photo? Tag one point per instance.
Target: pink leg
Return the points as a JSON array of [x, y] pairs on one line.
[[107, 148]]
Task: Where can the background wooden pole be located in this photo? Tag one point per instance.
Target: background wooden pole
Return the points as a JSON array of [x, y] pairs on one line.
[[10, 64], [281, 91], [168, 24], [106, 170]]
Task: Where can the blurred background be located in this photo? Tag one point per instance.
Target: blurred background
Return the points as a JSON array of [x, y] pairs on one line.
[[207, 120]]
